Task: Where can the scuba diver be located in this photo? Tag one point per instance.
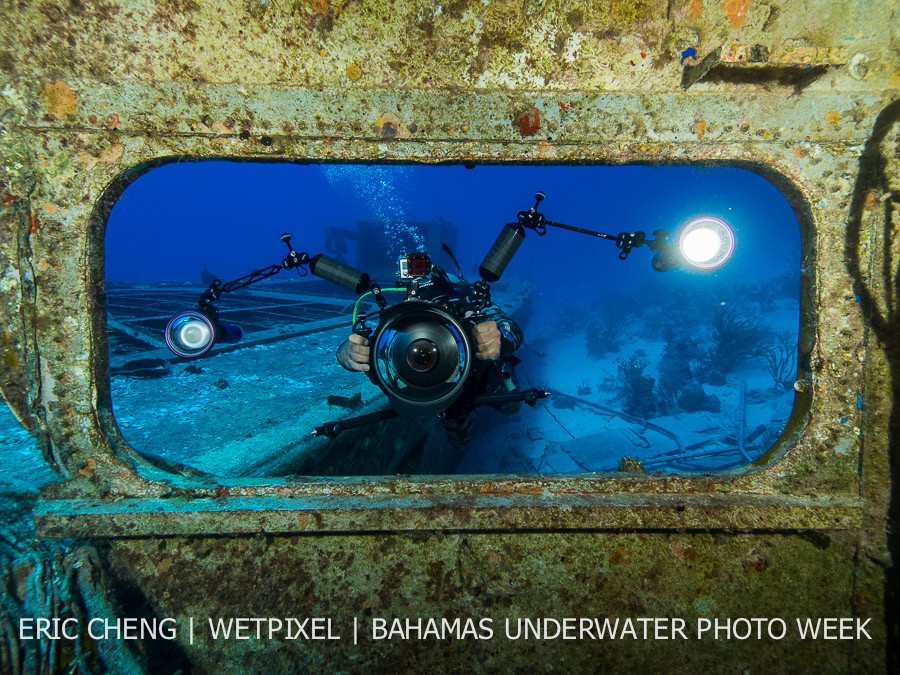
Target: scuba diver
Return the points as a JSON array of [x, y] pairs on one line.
[[495, 338]]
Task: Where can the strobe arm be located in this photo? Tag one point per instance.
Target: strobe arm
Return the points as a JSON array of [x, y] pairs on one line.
[[294, 260], [217, 287], [320, 265], [530, 396], [335, 428], [625, 241], [513, 234], [192, 333], [704, 243]]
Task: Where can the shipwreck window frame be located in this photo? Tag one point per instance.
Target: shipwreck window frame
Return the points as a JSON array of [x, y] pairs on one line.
[[527, 490]]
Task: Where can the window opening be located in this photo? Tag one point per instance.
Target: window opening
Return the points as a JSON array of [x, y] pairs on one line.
[[519, 319]]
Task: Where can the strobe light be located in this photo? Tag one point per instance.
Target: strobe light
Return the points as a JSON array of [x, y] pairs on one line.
[[190, 333], [421, 357], [706, 243]]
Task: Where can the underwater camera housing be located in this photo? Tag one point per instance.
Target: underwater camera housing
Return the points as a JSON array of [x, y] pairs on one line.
[[421, 352], [421, 357]]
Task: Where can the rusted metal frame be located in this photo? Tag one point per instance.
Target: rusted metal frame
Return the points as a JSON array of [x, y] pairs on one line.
[[457, 489], [202, 487], [284, 114], [463, 512]]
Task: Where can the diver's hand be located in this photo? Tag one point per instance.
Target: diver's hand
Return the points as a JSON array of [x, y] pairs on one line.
[[354, 353], [487, 340]]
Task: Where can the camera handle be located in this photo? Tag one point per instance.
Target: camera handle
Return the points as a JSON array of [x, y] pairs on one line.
[[481, 295], [359, 325]]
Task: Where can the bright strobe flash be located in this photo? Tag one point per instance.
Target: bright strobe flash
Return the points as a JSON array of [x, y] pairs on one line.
[[195, 334], [190, 334], [706, 243]]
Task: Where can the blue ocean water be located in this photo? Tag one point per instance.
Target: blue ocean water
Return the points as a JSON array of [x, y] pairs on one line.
[[181, 216], [625, 346]]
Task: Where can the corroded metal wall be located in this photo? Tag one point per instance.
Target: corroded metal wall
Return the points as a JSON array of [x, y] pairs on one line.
[[94, 93]]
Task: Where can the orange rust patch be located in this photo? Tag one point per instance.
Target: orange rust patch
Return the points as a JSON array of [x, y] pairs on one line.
[[529, 122], [736, 11], [50, 208], [89, 468], [319, 6], [112, 120], [354, 72], [683, 552], [870, 201], [833, 116], [112, 154], [546, 150], [33, 223], [701, 129], [696, 9], [391, 126], [800, 152], [619, 556], [59, 99]]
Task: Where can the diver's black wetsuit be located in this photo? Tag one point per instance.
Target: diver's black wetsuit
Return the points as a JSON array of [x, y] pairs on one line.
[[488, 377]]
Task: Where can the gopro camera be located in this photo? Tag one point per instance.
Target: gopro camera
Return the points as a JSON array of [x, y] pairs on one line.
[[414, 265]]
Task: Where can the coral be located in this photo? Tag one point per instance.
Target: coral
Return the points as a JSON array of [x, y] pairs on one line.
[[354, 72], [735, 337], [631, 465], [635, 388], [607, 334], [781, 360], [694, 399], [765, 293], [679, 367], [675, 366]]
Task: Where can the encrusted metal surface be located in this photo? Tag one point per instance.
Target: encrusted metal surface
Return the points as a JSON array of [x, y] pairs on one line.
[[500, 576], [467, 511], [93, 93]]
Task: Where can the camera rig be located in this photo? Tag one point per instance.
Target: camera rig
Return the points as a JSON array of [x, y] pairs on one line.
[[422, 355]]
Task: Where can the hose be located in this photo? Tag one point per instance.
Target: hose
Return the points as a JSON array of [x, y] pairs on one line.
[[360, 299]]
